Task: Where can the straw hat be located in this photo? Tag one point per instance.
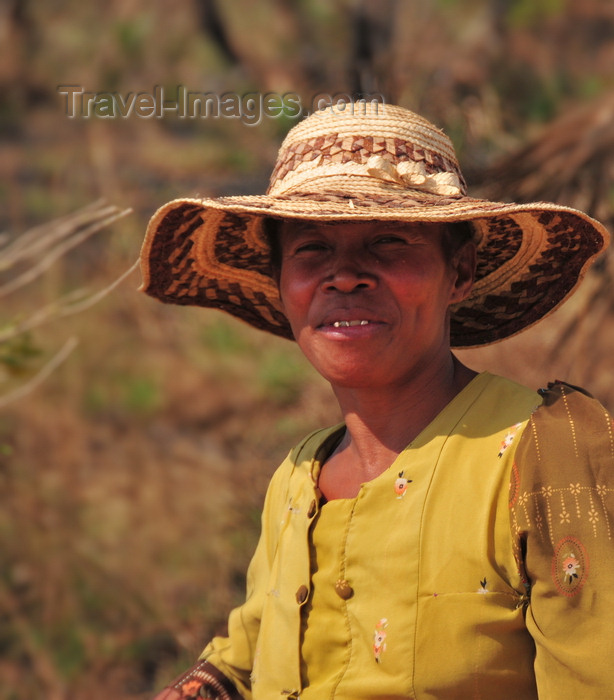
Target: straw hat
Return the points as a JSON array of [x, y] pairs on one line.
[[369, 162]]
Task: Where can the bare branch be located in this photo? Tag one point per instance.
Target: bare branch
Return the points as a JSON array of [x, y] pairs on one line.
[[39, 248], [30, 243], [66, 306], [55, 240]]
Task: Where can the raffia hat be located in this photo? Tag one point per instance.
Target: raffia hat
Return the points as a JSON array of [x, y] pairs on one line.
[[366, 162]]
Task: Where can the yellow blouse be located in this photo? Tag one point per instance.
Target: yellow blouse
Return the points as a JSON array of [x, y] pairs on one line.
[[419, 586]]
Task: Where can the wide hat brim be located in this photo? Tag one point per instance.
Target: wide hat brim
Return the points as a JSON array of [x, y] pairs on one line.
[[213, 253]]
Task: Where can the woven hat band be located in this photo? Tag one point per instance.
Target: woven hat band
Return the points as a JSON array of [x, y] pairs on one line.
[[390, 160], [356, 179]]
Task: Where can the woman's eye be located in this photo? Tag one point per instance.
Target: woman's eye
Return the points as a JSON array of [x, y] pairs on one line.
[[390, 240], [311, 247]]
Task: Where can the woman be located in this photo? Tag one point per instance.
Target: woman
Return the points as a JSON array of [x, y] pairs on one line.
[[452, 537]]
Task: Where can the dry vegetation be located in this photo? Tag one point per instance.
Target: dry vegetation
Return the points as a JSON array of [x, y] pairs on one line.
[[135, 483], [132, 478]]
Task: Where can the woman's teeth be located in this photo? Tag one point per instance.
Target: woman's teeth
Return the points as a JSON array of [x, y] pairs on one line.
[[348, 324]]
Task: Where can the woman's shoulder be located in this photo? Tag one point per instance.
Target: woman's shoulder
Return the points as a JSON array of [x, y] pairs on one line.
[[504, 387], [301, 462], [580, 397], [313, 444], [574, 415], [569, 433]]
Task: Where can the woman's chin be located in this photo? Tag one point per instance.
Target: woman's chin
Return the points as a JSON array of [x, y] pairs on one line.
[[355, 378]]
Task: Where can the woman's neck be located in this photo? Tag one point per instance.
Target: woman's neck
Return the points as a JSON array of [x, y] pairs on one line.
[[380, 424]]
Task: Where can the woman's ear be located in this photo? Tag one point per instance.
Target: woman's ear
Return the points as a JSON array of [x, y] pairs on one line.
[[463, 264]]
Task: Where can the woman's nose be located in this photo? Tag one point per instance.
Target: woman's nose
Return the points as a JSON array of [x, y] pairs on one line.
[[349, 276]]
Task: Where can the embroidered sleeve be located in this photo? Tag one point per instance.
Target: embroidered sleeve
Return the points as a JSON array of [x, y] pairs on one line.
[[201, 681], [562, 516]]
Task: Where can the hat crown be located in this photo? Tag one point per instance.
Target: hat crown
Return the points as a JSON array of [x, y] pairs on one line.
[[383, 145]]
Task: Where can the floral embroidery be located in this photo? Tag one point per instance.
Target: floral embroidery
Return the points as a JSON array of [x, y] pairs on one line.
[[482, 589], [400, 485], [540, 509], [570, 566], [379, 639], [509, 438], [190, 689], [293, 508]]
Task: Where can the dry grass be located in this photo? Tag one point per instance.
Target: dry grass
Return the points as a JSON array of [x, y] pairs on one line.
[[132, 478], [132, 493]]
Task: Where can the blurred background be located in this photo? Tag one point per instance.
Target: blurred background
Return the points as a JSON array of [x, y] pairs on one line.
[[136, 440]]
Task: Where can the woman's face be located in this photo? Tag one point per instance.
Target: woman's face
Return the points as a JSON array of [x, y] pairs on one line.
[[368, 302]]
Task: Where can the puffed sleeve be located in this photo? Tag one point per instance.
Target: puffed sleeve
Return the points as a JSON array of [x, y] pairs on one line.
[[562, 516], [234, 655]]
